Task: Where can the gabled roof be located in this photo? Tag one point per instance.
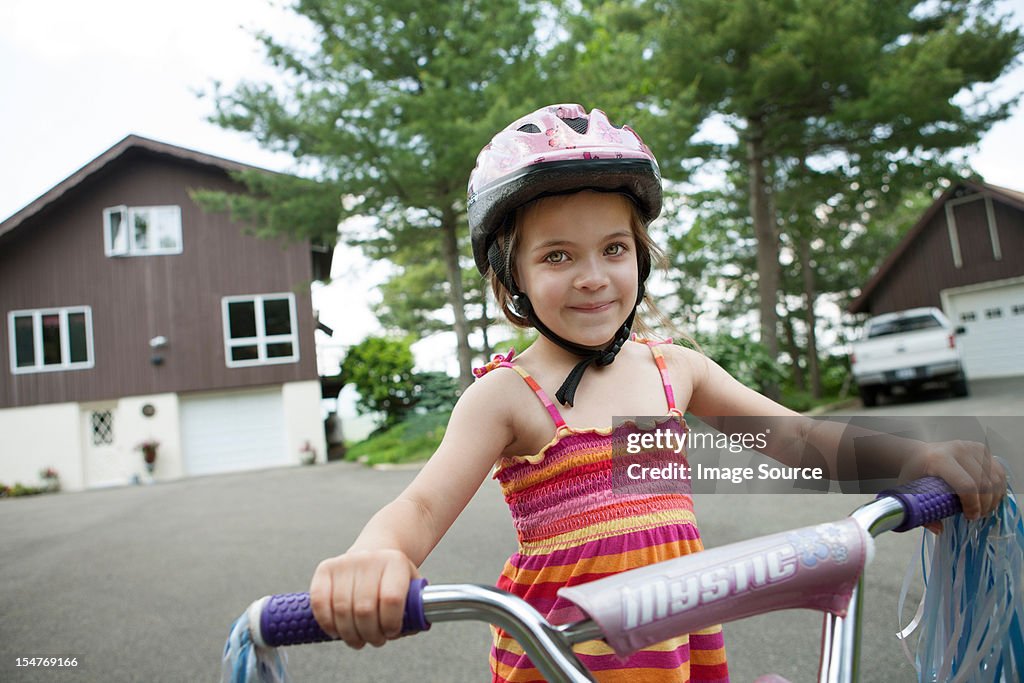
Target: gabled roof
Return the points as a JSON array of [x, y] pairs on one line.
[[131, 142], [1002, 194]]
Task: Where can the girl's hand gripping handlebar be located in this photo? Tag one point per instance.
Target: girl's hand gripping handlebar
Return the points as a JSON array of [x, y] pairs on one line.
[[287, 619]]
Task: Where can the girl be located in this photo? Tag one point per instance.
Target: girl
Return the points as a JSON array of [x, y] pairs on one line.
[[559, 204]]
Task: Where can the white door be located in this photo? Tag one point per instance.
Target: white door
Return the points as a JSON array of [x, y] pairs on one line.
[[992, 344], [233, 432], [105, 464]]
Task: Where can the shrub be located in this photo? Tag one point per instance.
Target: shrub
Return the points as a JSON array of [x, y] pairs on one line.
[[381, 370], [412, 440]]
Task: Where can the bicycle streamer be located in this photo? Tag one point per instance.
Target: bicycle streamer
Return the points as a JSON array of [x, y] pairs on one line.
[[969, 624]]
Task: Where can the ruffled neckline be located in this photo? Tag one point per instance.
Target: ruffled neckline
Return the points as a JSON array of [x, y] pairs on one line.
[[566, 431]]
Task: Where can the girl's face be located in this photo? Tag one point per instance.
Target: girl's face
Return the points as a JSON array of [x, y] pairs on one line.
[[576, 261]]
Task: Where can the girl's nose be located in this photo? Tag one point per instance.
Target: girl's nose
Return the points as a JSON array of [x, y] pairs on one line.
[[591, 275]]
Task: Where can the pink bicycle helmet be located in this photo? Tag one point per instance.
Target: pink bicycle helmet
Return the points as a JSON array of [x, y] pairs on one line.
[[555, 150]]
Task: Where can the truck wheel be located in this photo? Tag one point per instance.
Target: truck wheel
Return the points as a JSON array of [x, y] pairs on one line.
[[868, 396], [960, 388]]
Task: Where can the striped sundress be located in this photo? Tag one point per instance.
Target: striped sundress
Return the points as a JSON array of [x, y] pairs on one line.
[[573, 528]]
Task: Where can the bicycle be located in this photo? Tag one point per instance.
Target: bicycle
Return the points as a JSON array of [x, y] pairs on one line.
[[817, 567]]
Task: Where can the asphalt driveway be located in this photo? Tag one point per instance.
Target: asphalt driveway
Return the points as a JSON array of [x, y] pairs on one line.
[[141, 583], [988, 397], [992, 411]]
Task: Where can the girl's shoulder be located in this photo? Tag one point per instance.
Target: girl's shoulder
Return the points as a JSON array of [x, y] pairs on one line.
[[496, 385], [681, 359], [498, 405], [494, 378]]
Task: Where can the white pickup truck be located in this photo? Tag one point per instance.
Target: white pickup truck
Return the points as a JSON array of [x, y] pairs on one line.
[[907, 350]]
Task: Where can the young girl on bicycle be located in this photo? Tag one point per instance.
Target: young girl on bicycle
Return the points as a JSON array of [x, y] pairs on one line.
[[559, 205]]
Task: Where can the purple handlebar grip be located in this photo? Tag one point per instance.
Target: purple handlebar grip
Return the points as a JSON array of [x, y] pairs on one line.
[[287, 619], [924, 500]]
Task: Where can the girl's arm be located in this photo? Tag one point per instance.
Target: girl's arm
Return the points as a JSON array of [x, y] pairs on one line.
[[359, 595], [966, 466]]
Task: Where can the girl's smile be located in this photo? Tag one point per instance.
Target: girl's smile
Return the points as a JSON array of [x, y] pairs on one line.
[[593, 308]]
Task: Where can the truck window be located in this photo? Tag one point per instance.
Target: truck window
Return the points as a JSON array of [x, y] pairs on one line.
[[901, 325]]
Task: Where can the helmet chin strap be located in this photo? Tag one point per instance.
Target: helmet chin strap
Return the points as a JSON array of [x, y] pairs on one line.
[[566, 393]]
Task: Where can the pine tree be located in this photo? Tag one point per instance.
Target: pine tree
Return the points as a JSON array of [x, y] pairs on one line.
[[389, 107]]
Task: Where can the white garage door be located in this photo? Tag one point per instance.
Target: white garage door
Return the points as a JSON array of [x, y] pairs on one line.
[[993, 320], [232, 432]]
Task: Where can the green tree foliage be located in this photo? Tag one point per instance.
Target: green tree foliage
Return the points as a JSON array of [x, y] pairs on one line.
[[742, 357], [833, 233], [835, 114], [434, 392], [390, 106], [713, 257], [856, 87], [280, 205], [416, 300], [413, 298], [848, 93], [382, 371]]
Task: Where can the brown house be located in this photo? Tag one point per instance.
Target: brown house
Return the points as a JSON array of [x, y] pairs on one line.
[[966, 256], [130, 314]]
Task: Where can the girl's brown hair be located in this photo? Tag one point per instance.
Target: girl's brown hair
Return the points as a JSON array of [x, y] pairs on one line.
[[646, 249]]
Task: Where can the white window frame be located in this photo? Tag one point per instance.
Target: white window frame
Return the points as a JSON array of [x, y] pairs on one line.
[[37, 340], [262, 339], [128, 246], [109, 247]]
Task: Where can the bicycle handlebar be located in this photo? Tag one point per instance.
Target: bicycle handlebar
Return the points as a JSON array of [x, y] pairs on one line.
[[799, 568]]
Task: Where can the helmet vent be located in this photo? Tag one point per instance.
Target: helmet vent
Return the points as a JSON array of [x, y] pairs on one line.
[[579, 124], [529, 128]]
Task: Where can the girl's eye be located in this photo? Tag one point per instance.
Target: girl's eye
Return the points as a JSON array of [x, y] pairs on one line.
[[616, 249], [556, 257]]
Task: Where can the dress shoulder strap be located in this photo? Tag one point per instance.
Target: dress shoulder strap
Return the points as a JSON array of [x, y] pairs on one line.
[[659, 360], [505, 361]]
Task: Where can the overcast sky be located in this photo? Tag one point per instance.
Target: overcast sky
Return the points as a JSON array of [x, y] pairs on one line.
[[77, 77]]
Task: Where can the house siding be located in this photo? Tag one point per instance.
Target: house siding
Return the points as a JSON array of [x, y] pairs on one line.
[[928, 267], [58, 260], [1010, 222]]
